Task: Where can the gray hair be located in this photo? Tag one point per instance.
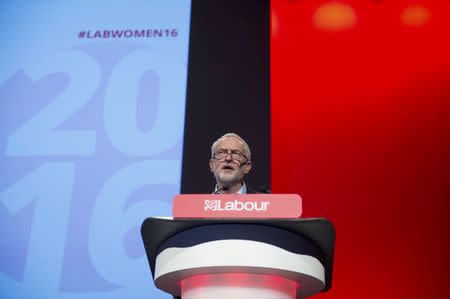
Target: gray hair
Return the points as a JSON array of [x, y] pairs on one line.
[[246, 152]]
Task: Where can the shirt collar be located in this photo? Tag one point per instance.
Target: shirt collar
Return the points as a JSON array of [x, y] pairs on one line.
[[243, 189]]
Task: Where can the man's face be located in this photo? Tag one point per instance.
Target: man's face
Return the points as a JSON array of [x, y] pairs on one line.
[[227, 170]]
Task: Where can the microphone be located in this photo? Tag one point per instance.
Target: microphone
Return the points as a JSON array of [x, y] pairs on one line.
[[224, 188]]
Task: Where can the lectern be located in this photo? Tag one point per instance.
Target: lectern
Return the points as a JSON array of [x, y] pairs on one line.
[[237, 257]]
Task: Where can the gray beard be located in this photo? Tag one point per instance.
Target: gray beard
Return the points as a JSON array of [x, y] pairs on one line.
[[228, 181]]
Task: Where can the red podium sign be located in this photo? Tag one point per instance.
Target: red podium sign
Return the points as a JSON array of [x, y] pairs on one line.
[[237, 206]]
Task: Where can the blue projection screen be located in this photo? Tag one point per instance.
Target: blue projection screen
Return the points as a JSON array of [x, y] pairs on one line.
[[93, 98]]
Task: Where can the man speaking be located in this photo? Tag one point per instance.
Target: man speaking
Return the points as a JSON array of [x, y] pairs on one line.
[[230, 162]]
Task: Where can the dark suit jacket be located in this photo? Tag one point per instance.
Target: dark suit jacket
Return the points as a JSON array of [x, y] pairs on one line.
[[260, 190]]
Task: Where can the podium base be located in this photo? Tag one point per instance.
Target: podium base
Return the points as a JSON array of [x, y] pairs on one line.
[[238, 286]]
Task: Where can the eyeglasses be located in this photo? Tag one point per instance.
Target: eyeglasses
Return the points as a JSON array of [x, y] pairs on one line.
[[235, 155]]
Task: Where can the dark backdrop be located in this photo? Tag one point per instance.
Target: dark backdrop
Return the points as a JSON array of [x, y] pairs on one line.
[[228, 87]]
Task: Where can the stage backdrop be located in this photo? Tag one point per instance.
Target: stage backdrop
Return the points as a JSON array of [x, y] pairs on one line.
[[361, 129], [91, 133], [94, 98]]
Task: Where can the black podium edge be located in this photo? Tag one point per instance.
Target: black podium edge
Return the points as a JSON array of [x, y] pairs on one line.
[[320, 231]]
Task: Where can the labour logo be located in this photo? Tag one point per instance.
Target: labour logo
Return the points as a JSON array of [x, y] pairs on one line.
[[211, 204]]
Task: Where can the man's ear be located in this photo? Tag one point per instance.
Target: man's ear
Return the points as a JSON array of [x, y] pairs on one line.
[[211, 165], [247, 167]]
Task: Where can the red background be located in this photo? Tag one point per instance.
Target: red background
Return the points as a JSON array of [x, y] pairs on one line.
[[360, 129]]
